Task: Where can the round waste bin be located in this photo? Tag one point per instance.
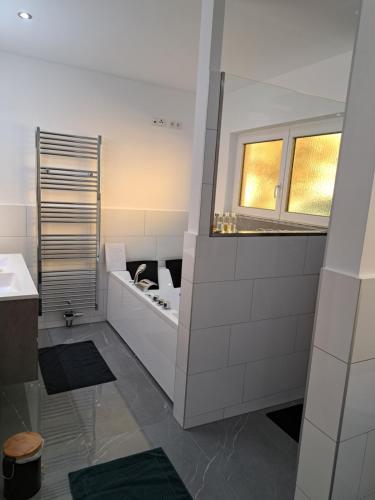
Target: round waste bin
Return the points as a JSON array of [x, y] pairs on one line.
[[22, 465]]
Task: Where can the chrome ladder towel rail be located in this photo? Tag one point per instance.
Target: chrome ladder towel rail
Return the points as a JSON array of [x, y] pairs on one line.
[[68, 204]]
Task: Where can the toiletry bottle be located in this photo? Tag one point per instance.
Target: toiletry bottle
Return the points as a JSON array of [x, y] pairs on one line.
[[214, 223], [226, 222], [219, 224], [234, 222]]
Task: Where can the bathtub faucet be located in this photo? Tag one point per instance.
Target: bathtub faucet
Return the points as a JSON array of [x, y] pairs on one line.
[[140, 270]]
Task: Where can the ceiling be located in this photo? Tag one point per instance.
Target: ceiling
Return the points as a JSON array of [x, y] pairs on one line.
[[157, 40]]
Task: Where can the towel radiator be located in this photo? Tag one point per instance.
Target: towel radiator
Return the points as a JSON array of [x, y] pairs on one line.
[[68, 202]]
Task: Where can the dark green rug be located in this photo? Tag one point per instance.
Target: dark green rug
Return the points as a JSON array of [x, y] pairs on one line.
[[144, 476]]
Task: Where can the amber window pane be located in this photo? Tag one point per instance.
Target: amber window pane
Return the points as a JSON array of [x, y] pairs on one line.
[[260, 174], [313, 174]]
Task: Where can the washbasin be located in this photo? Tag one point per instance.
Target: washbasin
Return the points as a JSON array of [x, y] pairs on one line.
[[4, 263], [15, 280], [8, 283]]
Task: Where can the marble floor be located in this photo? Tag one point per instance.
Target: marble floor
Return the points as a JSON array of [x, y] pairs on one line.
[[241, 458]]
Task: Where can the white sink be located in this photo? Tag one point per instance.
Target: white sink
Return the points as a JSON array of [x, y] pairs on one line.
[[8, 282], [15, 280]]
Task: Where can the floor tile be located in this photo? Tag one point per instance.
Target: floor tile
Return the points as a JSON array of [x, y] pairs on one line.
[[245, 457]]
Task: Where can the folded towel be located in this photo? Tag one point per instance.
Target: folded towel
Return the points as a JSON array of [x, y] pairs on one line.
[[115, 257]]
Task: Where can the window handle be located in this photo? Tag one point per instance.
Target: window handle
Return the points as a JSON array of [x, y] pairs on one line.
[[276, 190]]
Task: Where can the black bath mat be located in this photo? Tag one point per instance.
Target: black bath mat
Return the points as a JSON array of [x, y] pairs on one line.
[[289, 420], [144, 476], [72, 366]]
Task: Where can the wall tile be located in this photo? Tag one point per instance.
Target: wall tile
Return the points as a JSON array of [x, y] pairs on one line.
[[123, 222], [316, 459], [338, 296], [182, 352], [12, 220], [137, 247], [276, 297], [359, 412], [169, 247], [305, 326], [367, 485], [262, 339], [208, 349], [188, 257], [325, 392], [274, 375], [32, 221], [205, 418], [315, 254], [215, 259], [14, 244], [272, 256], [213, 390], [159, 223], [257, 404], [349, 468], [221, 303], [184, 318], [364, 345]]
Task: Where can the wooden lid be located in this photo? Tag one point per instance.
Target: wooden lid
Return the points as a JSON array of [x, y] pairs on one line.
[[23, 445]]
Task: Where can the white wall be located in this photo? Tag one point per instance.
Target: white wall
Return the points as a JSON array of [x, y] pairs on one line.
[[144, 167], [327, 78]]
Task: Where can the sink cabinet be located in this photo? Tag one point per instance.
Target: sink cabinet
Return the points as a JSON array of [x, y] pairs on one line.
[[19, 303], [18, 341]]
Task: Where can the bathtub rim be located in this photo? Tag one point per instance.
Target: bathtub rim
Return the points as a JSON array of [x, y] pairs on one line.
[[165, 314]]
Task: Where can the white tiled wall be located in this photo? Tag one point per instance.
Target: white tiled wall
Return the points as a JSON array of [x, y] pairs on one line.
[[247, 328], [152, 235], [17, 234], [340, 403]]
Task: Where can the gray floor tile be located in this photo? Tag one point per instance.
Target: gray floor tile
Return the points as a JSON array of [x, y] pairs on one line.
[[244, 457]]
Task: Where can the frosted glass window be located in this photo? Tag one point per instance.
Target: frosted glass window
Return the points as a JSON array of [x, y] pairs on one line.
[[260, 174], [313, 174]]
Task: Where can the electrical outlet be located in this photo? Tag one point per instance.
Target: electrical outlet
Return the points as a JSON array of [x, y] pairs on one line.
[[163, 122], [175, 124], [160, 122]]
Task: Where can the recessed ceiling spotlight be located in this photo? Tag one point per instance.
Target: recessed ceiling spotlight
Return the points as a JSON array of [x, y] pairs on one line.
[[24, 15]]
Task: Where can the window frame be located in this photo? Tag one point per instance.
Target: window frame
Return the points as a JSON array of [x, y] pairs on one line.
[[288, 133], [251, 138]]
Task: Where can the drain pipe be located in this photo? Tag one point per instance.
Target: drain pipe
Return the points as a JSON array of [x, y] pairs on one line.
[[70, 316]]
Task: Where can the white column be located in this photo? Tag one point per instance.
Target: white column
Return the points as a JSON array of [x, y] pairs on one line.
[[205, 133], [337, 449]]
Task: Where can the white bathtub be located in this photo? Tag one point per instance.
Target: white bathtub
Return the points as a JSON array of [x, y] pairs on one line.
[[149, 330]]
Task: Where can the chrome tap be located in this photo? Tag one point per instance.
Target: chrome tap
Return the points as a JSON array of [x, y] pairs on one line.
[[145, 284], [140, 270]]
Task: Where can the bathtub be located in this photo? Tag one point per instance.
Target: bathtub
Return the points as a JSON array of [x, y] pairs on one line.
[[149, 330]]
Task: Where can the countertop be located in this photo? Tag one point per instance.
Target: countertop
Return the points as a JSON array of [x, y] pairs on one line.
[[15, 279]]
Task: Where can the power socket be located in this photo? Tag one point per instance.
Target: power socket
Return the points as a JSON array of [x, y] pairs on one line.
[[160, 122], [163, 122], [175, 124]]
